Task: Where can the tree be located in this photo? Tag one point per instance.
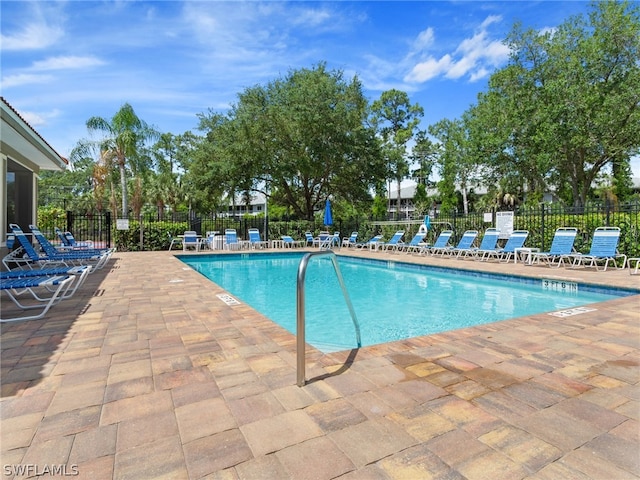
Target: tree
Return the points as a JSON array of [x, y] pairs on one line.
[[457, 165], [70, 188], [124, 137], [396, 120], [566, 106], [298, 140]]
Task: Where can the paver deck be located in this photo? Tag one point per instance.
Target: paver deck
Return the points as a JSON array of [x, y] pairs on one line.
[[145, 373]]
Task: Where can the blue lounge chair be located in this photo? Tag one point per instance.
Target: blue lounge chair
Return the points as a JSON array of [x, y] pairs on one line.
[[289, 242], [50, 249], [371, 243], [231, 240], [516, 241], [393, 243], [350, 241], [26, 254], [80, 274], [309, 238], [254, 239], [561, 248], [489, 243], [441, 244], [465, 243], [604, 249], [414, 245], [68, 241], [36, 286]]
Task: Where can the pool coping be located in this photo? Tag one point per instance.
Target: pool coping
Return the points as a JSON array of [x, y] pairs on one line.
[[147, 374]]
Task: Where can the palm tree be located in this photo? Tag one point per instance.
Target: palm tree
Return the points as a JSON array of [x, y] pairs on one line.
[[124, 138]]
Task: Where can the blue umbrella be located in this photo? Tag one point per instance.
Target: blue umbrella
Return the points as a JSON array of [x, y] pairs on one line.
[[328, 218]]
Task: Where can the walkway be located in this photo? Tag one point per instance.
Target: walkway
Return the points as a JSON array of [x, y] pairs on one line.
[[147, 374]]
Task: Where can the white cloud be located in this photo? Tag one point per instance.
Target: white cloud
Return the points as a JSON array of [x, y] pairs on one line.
[[66, 63], [32, 37], [24, 79], [429, 69], [39, 119], [471, 58]]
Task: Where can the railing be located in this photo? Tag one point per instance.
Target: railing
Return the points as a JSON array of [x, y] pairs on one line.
[[300, 309]]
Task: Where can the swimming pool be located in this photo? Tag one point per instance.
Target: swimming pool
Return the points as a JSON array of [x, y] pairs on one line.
[[392, 300]]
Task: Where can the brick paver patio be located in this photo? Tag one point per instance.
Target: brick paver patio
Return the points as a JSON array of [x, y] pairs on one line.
[[145, 373]]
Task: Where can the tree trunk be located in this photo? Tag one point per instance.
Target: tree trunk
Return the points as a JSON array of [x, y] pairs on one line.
[[123, 185]]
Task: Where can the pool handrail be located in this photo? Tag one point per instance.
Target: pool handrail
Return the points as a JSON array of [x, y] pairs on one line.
[[300, 310]]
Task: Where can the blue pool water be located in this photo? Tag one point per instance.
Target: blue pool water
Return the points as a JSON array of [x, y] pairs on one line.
[[392, 300]]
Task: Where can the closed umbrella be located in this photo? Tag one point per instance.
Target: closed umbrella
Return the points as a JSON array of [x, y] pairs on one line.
[[328, 218]]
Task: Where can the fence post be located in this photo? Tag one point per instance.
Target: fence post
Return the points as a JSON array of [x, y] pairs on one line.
[[141, 233], [108, 227], [542, 248]]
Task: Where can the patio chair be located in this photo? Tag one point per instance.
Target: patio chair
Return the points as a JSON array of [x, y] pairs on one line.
[[465, 244], [441, 244], [80, 273], [37, 287], [415, 245], [26, 255], [371, 243], [69, 242], [254, 239], [289, 242], [309, 238], [516, 241], [190, 240], [49, 248], [393, 243], [489, 243], [322, 240], [175, 241], [231, 240], [351, 240], [604, 249], [561, 247]]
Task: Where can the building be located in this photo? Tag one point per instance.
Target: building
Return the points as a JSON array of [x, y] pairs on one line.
[[23, 154], [239, 208]]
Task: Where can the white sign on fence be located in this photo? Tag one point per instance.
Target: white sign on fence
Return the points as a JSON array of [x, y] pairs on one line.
[[122, 224], [504, 223]]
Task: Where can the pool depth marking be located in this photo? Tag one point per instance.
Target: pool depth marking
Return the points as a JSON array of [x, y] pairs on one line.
[[559, 285], [572, 311], [228, 299]]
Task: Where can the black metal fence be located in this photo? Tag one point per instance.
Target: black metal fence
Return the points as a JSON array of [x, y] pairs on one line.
[[152, 232]]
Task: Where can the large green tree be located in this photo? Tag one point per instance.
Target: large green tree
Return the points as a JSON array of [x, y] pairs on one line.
[[396, 119], [566, 107], [122, 141], [298, 139]]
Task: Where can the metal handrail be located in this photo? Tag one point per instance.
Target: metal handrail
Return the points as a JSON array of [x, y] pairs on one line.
[[300, 311]]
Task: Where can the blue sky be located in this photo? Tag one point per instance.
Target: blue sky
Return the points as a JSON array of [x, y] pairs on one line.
[[64, 62]]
